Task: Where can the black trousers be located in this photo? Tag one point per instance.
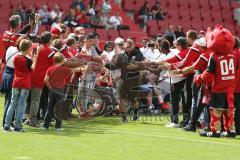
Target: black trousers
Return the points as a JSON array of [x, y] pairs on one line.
[[199, 109], [188, 86], [54, 96], [176, 90], [43, 103], [237, 112]]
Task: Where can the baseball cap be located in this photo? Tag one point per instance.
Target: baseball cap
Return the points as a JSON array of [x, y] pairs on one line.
[[56, 30], [201, 42], [119, 40]]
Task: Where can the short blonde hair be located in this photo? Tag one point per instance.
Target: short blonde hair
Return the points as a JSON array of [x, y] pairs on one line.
[[25, 45], [58, 58]]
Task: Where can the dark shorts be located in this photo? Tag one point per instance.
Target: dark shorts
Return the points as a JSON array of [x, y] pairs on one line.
[[237, 100], [131, 91], [219, 101]]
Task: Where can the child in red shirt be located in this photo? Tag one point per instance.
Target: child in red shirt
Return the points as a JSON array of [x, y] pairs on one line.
[[55, 81]]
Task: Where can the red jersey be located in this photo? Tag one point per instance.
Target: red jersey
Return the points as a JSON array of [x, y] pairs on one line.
[[202, 62], [22, 72], [57, 76], [42, 65], [72, 52], [178, 57], [65, 52], [223, 69], [9, 39], [237, 78], [191, 57]]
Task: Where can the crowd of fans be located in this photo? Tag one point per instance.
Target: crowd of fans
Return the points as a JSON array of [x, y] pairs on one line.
[[79, 14], [148, 12], [159, 72]]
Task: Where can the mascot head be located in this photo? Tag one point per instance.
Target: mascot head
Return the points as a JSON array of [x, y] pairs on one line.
[[220, 40]]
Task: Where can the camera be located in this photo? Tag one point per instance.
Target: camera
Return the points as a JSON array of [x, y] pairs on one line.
[[151, 45], [30, 15], [34, 51]]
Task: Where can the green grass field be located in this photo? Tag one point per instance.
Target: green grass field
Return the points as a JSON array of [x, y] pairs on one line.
[[108, 139]]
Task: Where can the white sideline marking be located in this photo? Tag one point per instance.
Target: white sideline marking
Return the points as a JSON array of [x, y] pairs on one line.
[[23, 158], [175, 138]]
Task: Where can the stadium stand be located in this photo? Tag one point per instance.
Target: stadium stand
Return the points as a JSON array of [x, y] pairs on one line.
[[191, 14]]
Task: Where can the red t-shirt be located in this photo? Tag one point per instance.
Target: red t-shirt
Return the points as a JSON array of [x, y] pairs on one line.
[[202, 62], [223, 69], [179, 57], [65, 53], [237, 78], [72, 52], [82, 19], [22, 72], [191, 57], [9, 39], [43, 63], [57, 76]]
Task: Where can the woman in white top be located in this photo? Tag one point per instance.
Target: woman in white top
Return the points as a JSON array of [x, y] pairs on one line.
[[7, 77]]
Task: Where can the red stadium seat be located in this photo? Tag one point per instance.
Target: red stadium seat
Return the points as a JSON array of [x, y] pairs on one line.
[[138, 36], [184, 5], [88, 30], [152, 27], [230, 27], [124, 33], [217, 17], [103, 34], [173, 5], [113, 34], [234, 4]]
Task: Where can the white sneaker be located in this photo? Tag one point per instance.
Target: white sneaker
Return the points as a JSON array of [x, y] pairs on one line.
[[59, 129], [156, 112], [172, 125]]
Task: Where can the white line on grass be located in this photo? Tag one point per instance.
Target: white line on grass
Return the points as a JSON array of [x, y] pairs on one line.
[[170, 137], [23, 158]]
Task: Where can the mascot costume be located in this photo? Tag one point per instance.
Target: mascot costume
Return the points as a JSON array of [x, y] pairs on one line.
[[220, 74]]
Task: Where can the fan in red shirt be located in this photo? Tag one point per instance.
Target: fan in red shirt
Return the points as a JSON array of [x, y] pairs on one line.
[[237, 85], [57, 46], [37, 85], [81, 17], [55, 80], [193, 54], [197, 107], [71, 46]]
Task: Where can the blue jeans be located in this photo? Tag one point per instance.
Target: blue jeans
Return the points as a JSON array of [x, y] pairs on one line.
[[18, 100]]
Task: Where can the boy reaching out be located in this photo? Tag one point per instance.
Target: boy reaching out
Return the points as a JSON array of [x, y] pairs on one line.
[[55, 80]]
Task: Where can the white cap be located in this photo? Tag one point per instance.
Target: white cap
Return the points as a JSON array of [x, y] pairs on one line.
[[119, 40], [71, 35], [201, 42]]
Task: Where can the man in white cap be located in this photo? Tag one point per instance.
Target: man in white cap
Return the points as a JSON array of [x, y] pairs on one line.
[[79, 31]]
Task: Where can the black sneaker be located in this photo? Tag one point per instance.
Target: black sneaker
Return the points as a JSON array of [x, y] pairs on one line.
[[209, 134], [230, 134], [207, 129], [135, 117], [189, 128], [18, 130], [124, 118], [183, 124], [238, 133], [7, 129]]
